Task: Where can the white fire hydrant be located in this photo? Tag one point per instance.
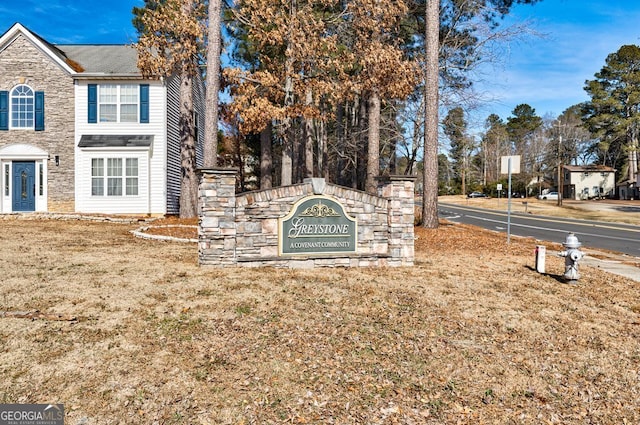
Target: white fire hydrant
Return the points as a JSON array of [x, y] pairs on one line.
[[572, 255]]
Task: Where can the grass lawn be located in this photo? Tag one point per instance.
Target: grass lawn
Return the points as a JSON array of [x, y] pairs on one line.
[[470, 335]]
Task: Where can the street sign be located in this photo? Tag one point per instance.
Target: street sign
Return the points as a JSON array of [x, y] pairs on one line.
[[515, 164]]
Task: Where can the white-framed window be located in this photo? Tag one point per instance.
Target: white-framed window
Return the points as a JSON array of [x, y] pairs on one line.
[[97, 177], [131, 168], [114, 177], [22, 107], [118, 102]]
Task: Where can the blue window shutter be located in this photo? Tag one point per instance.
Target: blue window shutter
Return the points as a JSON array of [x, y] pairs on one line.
[[4, 110], [144, 103], [39, 111], [93, 104]]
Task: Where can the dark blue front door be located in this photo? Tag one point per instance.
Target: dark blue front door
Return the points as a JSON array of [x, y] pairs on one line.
[[24, 186]]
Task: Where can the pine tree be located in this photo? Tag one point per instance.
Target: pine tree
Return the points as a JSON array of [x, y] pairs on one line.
[[455, 128], [613, 113], [169, 43]]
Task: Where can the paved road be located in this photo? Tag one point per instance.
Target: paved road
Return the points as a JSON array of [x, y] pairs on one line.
[[622, 238]]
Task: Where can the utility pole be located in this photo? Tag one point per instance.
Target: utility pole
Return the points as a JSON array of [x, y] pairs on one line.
[[560, 185]]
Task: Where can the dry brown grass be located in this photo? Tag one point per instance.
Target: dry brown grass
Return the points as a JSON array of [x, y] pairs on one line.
[[469, 335]]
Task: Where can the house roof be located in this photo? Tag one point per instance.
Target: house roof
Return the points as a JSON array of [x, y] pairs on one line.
[[593, 168], [115, 141], [96, 59], [88, 60]]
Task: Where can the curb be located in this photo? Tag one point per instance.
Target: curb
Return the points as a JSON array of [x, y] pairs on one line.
[[140, 233]]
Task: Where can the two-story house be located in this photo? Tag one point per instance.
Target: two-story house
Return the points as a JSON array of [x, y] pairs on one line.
[[82, 131], [588, 181]]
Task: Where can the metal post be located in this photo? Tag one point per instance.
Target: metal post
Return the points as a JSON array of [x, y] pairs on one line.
[[509, 204]]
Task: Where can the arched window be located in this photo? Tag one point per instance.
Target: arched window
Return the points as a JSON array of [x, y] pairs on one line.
[[22, 107]]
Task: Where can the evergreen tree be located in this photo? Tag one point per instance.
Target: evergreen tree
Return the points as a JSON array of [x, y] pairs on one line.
[[613, 113], [170, 40], [522, 129], [455, 128], [495, 146]]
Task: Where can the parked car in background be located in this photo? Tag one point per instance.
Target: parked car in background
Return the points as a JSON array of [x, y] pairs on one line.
[[477, 195], [550, 196]]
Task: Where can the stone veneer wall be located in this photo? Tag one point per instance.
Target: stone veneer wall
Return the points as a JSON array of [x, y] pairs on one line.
[[22, 63], [242, 230]]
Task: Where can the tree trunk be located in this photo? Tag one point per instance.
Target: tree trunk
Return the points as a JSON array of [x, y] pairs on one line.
[[463, 176], [286, 173], [189, 181], [340, 145], [430, 157], [373, 150], [308, 139], [297, 152], [393, 152], [210, 147], [286, 133], [360, 150], [323, 154], [266, 159]]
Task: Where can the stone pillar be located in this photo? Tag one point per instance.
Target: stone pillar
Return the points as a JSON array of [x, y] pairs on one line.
[[217, 211], [400, 192]]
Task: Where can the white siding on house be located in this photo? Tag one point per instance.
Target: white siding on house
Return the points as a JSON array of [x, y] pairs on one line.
[[115, 204], [174, 166], [152, 161], [173, 146], [589, 184]]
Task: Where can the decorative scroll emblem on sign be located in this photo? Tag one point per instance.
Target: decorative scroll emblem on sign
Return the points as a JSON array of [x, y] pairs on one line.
[[317, 225]]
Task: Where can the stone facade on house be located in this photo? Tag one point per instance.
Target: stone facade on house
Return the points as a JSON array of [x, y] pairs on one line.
[[83, 131], [242, 229], [22, 63]]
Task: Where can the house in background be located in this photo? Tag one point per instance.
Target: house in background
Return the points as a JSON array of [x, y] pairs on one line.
[[82, 131], [629, 189], [588, 182]]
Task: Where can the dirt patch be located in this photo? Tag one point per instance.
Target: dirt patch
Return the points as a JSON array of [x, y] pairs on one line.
[[471, 334]]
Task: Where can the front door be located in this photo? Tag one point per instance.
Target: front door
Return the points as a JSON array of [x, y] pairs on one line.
[[24, 186]]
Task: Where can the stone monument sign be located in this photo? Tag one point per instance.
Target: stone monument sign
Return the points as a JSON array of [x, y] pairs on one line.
[[317, 225]]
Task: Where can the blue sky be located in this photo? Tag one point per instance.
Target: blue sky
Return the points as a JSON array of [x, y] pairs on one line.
[[73, 21], [549, 72], [546, 72]]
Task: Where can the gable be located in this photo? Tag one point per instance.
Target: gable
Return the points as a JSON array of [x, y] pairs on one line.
[[91, 60], [19, 33]]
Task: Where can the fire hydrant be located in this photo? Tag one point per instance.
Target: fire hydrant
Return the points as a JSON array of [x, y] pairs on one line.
[[572, 255]]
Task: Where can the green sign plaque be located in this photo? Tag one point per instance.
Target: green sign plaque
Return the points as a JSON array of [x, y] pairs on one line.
[[317, 225]]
